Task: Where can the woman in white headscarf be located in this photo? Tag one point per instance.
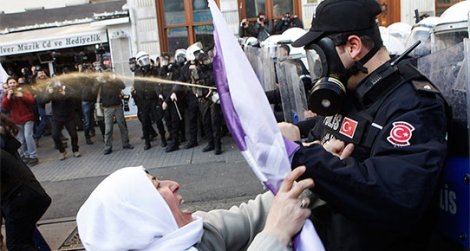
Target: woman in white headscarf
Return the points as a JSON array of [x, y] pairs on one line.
[[132, 210]]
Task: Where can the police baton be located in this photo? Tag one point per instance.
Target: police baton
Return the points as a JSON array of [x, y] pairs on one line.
[[177, 110]]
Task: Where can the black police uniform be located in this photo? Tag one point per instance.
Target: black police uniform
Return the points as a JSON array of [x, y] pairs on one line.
[[174, 114], [146, 97], [190, 104], [210, 111], [380, 197]]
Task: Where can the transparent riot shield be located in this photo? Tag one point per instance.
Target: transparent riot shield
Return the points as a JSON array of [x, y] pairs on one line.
[[291, 87], [269, 73], [263, 64], [449, 69], [253, 55]]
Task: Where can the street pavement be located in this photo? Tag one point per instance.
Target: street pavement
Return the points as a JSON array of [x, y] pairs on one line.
[[207, 181]]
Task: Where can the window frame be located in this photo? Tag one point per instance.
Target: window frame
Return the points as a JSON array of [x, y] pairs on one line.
[[268, 11], [190, 25], [441, 7]]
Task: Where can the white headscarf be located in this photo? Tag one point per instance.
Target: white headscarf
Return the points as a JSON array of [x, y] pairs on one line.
[[126, 212]]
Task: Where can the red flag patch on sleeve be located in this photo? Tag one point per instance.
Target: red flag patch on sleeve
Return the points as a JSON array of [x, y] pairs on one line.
[[348, 127]]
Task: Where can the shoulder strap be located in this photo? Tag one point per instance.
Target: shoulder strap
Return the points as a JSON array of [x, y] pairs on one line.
[[405, 74]]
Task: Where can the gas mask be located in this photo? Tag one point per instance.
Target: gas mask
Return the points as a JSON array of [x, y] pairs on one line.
[[327, 94]]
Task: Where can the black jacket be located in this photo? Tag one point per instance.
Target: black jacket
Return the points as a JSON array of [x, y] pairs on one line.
[[23, 200], [110, 92], [380, 198], [145, 91], [63, 103], [88, 93]]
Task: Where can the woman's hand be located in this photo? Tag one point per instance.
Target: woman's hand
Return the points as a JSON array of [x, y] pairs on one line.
[[288, 212]]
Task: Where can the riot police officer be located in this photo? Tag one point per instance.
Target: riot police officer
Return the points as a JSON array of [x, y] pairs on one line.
[[392, 121], [185, 99], [133, 64], [174, 101], [209, 104], [145, 96]]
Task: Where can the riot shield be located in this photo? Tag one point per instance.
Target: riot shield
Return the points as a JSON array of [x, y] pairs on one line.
[[449, 69], [263, 64], [291, 87], [269, 73], [253, 55]]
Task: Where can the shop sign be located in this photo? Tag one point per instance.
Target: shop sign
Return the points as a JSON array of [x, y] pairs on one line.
[[54, 43]]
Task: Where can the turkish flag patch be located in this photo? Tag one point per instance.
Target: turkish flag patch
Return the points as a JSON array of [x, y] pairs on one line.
[[401, 133], [348, 127]]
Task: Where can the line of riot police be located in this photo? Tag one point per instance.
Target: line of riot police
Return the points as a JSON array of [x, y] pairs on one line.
[[177, 105]]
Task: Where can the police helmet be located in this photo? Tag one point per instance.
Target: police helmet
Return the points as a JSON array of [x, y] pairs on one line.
[[194, 48], [180, 55], [143, 58]]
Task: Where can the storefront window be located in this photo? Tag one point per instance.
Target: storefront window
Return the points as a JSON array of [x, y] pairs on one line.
[[280, 7], [253, 7], [174, 12]]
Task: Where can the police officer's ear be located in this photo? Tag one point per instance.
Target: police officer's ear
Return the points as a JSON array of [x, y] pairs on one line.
[[355, 48]]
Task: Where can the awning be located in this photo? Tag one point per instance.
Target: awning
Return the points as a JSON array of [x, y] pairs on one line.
[[52, 38]]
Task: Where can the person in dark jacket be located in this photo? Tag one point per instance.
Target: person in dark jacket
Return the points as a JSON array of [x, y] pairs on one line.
[[146, 96], [287, 21], [262, 29], [63, 97], [209, 104], [43, 123], [390, 117], [88, 100], [174, 104], [246, 29], [110, 89], [23, 200], [188, 100]]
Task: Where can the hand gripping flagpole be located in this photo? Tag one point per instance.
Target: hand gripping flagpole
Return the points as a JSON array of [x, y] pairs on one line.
[[250, 119]]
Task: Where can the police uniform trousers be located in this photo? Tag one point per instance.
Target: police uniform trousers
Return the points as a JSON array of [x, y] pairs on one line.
[[192, 113], [211, 120]]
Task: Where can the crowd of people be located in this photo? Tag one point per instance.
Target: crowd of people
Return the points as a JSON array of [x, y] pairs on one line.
[[42, 106], [262, 28]]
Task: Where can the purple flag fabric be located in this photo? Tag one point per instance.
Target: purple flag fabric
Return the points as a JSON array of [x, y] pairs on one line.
[[250, 119]]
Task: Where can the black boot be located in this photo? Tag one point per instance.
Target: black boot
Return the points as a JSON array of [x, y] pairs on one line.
[[147, 145], [209, 147], [218, 149], [190, 144], [164, 144], [172, 147], [88, 141]]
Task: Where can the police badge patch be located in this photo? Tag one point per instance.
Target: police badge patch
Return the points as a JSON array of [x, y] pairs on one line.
[[401, 133]]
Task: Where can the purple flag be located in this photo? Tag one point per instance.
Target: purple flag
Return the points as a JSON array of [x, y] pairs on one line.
[[250, 119]]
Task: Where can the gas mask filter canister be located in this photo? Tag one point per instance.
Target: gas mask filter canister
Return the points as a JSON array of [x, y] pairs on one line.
[[327, 94]]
